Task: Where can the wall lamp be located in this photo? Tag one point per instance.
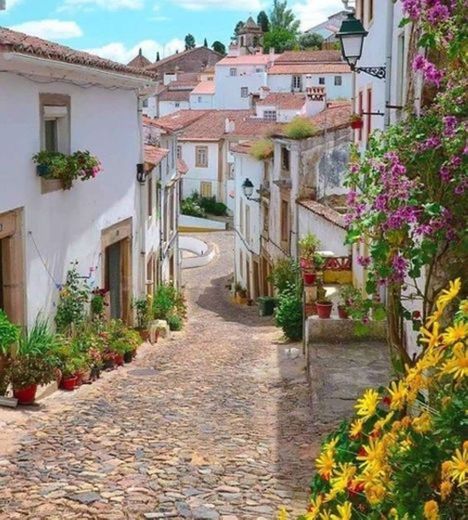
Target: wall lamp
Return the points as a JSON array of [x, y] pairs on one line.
[[141, 175], [248, 189]]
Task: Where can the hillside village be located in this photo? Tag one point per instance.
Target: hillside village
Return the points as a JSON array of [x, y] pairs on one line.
[[207, 258]]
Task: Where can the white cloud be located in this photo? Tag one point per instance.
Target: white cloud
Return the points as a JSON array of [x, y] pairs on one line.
[[109, 5], [117, 51], [232, 5], [314, 12], [50, 29]]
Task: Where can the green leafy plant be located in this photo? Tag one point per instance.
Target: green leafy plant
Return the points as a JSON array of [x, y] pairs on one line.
[[98, 303], [308, 246], [262, 149], [71, 307], [25, 371], [299, 128], [143, 311], [9, 334], [175, 322], [192, 208], [285, 273], [289, 312], [168, 300]]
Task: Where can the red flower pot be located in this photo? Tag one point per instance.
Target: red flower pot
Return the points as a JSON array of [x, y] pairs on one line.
[[342, 312], [79, 379], [68, 383], [310, 309], [119, 359], [25, 395], [357, 125], [309, 278], [324, 310]]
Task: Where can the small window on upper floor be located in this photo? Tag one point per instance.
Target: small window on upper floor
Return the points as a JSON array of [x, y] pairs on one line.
[[179, 151], [233, 71], [285, 158], [244, 92], [269, 115], [145, 103], [338, 81], [199, 99], [297, 82], [177, 105], [55, 123], [321, 81]]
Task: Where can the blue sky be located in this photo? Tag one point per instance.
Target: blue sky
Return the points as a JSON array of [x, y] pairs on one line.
[[117, 28]]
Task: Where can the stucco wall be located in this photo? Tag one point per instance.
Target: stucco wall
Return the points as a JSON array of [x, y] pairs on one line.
[[67, 225], [228, 88], [196, 175], [201, 101], [283, 83], [169, 107]]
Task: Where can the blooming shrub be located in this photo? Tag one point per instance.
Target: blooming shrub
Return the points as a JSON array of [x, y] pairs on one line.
[[408, 192], [405, 453], [299, 128], [262, 149]]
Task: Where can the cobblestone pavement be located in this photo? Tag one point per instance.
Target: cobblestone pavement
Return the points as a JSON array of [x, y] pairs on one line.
[[213, 423]]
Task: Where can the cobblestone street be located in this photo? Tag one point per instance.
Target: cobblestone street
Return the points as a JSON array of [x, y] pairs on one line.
[[212, 423]]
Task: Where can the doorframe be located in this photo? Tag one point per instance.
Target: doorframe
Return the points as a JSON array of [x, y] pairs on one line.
[[11, 230], [121, 232]]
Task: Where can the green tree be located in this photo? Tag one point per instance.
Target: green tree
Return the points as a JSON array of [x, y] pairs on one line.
[[158, 57], [189, 42], [310, 41], [263, 21], [237, 28], [283, 18], [219, 47], [279, 39], [205, 43]]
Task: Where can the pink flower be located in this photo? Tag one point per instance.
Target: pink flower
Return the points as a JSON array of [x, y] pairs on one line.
[[364, 261]]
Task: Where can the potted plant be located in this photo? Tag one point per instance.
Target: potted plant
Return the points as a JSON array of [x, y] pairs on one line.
[[356, 121], [240, 294], [324, 308], [142, 308], [308, 245], [26, 373], [348, 294], [9, 335], [98, 303]]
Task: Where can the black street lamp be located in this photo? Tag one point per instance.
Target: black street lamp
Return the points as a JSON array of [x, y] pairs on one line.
[[141, 174], [248, 189], [351, 36]]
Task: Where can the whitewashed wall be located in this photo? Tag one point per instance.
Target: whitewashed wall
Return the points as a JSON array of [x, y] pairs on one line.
[[202, 101], [169, 107], [196, 175], [283, 83], [228, 88]]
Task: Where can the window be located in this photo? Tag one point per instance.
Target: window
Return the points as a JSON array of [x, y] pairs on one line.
[[269, 115], [321, 81], [285, 221], [244, 92], [258, 70], [177, 104], [55, 122], [150, 195], [199, 99], [297, 82], [360, 107], [233, 72], [285, 158], [179, 151], [266, 218], [145, 103], [201, 156], [338, 81], [206, 189], [369, 109], [50, 135]]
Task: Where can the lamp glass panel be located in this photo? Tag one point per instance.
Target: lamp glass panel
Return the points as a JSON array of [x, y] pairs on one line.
[[352, 47]]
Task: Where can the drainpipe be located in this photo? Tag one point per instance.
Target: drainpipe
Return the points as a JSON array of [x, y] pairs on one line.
[[388, 63], [142, 218]]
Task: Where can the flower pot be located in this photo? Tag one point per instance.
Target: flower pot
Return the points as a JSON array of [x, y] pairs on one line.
[[342, 312], [68, 383], [324, 310], [128, 357], [306, 263], [144, 335], [309, 277], [95, 373], [79, 379], [25, 395], [310, 309], [42, 170], [357, 125], [119, 359]]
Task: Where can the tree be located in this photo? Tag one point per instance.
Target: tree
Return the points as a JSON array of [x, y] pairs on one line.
[[263, 21], [310, 41], [205, 43], [280, 40], [219, 47], [189, 42], [237, 29], [158, 57], [283, 18]]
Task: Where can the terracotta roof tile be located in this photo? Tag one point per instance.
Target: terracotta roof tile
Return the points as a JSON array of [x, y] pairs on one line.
[[139, 61], [284, 100], [177, 56], [175, 95], [154, 155], [323, 56], [310, 68], [325, 212], [205, 87], [178, 120], [12, 41]]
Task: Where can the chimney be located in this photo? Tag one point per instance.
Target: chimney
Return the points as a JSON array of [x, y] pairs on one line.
[[264, 91], [316, 100], [229, 126]]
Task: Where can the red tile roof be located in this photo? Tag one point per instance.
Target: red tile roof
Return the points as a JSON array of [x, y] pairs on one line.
[[12, 41], [284, 100], [154, 155], [177, 56], [175, 95], [310, 68], [325, 212], [204, 87], [139, 61], [324, 56], [178, 120]]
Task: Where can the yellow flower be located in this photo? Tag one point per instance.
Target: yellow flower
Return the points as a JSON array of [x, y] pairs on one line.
[[381, 423], [431, 337], [325, 464], [464, 307], [343, 475], [446, 467], [445, 489], [398, 393], [372, 456], [375, 493], [325, 515], [330, 445], [459, 466], [282, 514], [422, 424], [457, 365], [367, 405], [356, 428], [431, 510], [344, 511], [314, 508], [449, 294], [456, 333]]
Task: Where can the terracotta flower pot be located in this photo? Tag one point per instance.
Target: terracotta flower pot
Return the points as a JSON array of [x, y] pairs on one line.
[[310, 309], [324, 310], [25, 395], [309, 277], [119, 359], [68, 383], [342, 312], [357, 125]]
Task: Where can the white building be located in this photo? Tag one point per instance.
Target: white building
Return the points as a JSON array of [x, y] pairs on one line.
[[55, 99], [202, 96]]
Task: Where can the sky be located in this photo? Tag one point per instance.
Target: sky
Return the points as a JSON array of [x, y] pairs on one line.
[[116, 29]]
